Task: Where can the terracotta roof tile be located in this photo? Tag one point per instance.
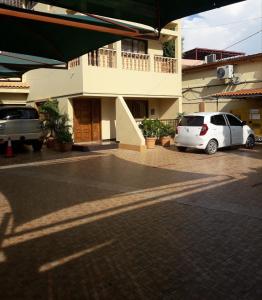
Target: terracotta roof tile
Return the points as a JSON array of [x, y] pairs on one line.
[[240, 93], [14, 85]]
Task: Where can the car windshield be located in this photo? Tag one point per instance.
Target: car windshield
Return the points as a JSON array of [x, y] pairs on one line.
[[192, 121], [18, 113]]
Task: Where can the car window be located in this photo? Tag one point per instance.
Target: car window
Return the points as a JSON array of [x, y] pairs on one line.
[[18, 113], [192, 121], [233, 121], [28, 113], [218, 120]]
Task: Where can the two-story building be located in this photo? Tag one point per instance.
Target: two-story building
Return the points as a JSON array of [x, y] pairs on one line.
[[108, 91]]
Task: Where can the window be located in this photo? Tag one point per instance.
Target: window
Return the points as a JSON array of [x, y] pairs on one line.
[[218, 120], [18, 113], [192, 121], [233, 121], [138, 108], [135, 46]]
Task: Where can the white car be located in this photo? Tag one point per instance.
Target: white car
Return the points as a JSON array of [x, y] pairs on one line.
[[21, 124], [212, 130]]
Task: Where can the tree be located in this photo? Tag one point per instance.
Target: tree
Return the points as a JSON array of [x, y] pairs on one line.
[[169, 48]]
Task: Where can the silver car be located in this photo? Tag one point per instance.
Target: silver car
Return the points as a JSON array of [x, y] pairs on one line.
[[21, 123]]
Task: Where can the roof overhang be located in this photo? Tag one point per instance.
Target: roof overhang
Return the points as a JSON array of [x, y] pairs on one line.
[[240, 94]]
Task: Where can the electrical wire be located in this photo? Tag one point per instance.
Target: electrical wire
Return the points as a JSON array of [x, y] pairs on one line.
[[246, 38]]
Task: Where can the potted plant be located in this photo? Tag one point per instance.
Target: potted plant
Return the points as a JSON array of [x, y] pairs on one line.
[[165, 132], [63, 140], [63, 135], [50, 116], [57, 130], [150, 130]]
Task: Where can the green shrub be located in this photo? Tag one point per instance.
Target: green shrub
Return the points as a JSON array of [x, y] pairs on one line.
[[150, 127]]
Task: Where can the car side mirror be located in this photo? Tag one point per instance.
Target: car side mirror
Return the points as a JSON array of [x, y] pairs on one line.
[[244, 123]]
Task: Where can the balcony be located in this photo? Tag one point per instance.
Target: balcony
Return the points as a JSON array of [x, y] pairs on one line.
[[108, 58]]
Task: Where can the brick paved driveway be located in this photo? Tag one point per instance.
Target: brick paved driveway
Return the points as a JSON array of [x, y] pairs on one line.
[[124, 225]]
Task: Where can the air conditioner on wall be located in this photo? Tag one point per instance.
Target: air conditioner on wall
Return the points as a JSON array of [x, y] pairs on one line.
[[225, 72]]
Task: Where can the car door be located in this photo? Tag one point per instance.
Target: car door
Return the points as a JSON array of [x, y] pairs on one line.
[[220, 130], [236, 129]]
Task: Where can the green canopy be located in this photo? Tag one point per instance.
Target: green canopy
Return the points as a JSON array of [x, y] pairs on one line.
[[59, 37], [8, 73], [14, 65], [154, 13]]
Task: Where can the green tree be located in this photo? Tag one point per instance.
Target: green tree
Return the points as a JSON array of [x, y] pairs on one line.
[[169, 48]]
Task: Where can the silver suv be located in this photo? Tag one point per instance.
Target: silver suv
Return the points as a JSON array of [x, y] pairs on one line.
[[21, 123]]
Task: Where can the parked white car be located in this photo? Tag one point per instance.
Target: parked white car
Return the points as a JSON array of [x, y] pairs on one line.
[[21, 124], [212, 130]]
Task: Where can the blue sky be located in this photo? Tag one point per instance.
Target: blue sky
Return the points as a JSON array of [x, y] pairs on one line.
[[222, 27]]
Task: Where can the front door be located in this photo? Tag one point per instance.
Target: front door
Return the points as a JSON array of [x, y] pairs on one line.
[[87, 119]]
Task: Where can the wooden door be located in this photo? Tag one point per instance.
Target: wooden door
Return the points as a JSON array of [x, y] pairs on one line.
[[87, 119]]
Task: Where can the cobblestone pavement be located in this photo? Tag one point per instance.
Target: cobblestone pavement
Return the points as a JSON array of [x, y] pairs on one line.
[[125, 225]]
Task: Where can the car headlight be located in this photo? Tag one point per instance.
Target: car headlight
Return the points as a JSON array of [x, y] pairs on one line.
[[2, 126]]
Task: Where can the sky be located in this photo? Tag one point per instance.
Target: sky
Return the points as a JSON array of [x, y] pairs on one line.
[[223, 27]]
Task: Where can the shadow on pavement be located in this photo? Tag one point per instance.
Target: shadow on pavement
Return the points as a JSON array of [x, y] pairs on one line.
[[106, 228]]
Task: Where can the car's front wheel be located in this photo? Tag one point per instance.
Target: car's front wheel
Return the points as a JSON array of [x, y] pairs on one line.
[[37, 145], [250, 143], [211, 147]]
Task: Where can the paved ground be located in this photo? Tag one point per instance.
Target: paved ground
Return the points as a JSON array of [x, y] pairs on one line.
[[124, 225]]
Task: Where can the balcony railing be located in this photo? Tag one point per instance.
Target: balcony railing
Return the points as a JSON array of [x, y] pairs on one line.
[[102, 57], [107, 58], [135, 61], [18, 3], [164, 64], [74, 63]]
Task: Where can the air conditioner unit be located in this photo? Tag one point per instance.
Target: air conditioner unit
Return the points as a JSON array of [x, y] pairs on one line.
[[225, 72], [210, 58]]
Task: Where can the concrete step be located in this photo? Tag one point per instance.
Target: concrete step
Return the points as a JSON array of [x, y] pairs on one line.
[[86, 147]]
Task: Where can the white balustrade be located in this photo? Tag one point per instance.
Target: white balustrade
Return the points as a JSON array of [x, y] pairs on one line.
[[164, 64], [102, 57], [74, 63], [135, 61]]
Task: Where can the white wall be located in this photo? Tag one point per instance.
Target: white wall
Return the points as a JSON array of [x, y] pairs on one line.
[[108, 118], [127, 132]]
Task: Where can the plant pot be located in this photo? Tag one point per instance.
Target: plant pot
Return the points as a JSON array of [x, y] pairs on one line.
[[63, 147], [50, 142], [150, 142], [165, 141]]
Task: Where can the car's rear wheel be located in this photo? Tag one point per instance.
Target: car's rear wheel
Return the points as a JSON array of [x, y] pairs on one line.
[[181, 149], [37, 145], [250, 143], [211, 147]]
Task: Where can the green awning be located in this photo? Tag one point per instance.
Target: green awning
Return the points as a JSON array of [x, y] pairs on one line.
[[8, 73], [59, 37], [14, 65], [154, 13]]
